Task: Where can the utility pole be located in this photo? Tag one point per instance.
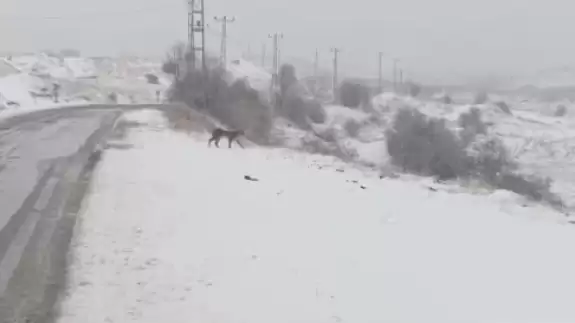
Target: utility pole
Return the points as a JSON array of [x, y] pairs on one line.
[[316, 65], [264, 55], [279, 58], [380, 72], [395, 61], [196, 33], [275, 69], [224, 20], [316, 73], [335, 52]]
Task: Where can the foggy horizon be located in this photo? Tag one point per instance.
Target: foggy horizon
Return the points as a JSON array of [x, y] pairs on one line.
[[438, 42]]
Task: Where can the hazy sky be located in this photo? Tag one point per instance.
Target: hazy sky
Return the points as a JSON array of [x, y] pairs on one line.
[[439, 39]]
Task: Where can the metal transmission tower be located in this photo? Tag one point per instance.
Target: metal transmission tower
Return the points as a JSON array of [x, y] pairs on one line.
[[196, 34], [335, 52], [224, 20]]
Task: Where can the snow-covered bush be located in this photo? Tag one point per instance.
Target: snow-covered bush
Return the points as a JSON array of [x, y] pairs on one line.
[[236, 105], [287, 77], [443, 97], [560, 111], [352, 127], [504, 107], [152, 78], [489, 159], [414, 89], [533, 187], [170, 67], [424, 145], [480, 98], [353, 95], [295, 103], [471, 124], [316, 111]]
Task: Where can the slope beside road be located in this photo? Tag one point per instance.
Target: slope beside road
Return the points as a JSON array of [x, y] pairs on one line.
[[174, 231]]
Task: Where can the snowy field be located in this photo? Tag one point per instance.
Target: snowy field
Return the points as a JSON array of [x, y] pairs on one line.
[[173, 232], [542, 143]]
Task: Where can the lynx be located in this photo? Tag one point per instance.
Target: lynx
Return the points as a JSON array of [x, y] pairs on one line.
[[232, 135]]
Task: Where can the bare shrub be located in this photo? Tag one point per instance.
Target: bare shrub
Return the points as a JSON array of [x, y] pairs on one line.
[[236, 105], [287, 78], [316, 111], [113, 97], [170, 67], [296, 103], [352, 127], [472, 125], [480, 98], [353, 95], [414, 89], [327, 134], [294, 108], [489, 158], [443, 98], [533, 187], [560, 111], [425, 146], [152, 78], [182, 118], [504, 107]]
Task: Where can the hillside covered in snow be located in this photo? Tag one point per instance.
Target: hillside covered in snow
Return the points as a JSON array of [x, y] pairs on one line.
[[536, 133], [27, 81]]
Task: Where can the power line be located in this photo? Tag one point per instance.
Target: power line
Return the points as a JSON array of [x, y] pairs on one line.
[[85, 14]]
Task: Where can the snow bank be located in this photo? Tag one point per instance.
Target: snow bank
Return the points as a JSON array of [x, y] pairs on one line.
[[183, 237], [81, 79], [45, 65], [17, 88], [6, 68], [80, 67]]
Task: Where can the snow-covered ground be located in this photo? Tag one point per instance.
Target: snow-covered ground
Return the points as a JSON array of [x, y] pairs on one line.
[[173, 232], [542, 143], [26, 81]]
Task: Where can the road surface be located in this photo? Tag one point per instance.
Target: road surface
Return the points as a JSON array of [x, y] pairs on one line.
[[45, 161]]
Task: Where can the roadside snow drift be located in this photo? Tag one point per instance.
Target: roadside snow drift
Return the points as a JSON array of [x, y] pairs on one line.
[[174, 231]]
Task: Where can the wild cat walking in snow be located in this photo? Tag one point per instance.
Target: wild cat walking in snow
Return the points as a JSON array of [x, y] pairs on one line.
[[232, 135]]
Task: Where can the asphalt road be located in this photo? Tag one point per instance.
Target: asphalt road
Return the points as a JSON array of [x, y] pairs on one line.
[[45, 162]]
